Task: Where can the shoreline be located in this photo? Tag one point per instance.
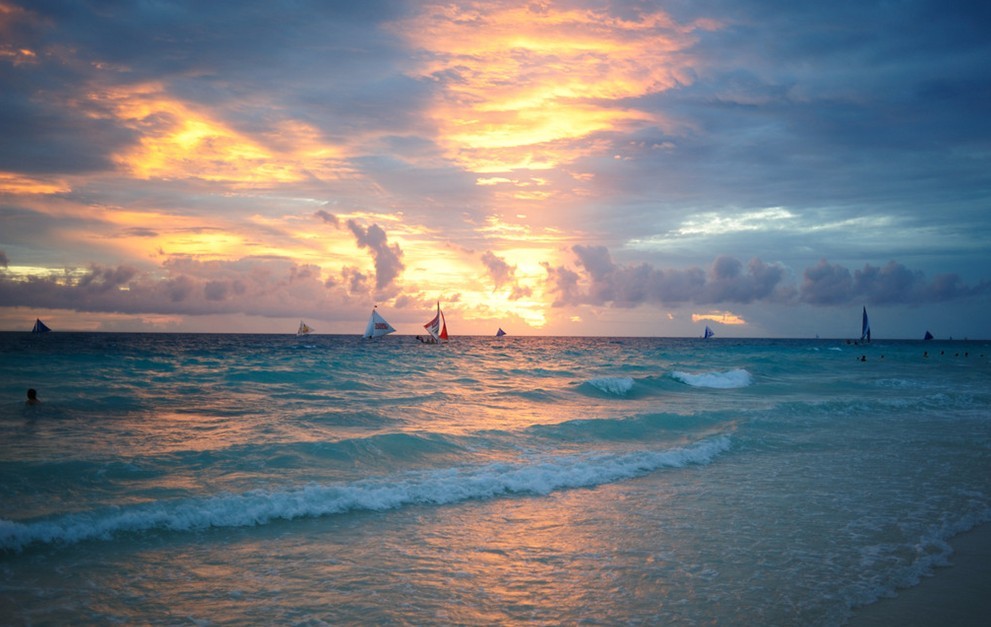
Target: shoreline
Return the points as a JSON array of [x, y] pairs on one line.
[[958, 594]]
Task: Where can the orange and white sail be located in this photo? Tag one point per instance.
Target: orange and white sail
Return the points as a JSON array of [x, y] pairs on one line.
[[437, 328]]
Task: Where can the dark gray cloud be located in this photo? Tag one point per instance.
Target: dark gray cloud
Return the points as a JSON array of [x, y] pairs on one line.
[[834, 110], [328, 64], [254, 286], [728, 282], [891, 284]]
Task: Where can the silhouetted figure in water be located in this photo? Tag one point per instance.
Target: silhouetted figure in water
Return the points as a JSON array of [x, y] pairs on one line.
[[33, 397]]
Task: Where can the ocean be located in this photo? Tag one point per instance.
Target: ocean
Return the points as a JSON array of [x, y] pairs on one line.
[[264, 479]]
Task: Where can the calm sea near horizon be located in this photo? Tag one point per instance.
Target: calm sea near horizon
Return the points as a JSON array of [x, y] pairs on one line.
[[264, 479]]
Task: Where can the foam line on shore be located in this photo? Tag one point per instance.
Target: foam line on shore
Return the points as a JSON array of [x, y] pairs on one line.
[[958, 594]]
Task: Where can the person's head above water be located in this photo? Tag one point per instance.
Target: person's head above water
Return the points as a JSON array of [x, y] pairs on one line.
[[33, 396]]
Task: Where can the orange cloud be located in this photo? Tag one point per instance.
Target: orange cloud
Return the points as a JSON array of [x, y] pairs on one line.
[[522, 85], [722, 317], [12, 183], [178, 140]]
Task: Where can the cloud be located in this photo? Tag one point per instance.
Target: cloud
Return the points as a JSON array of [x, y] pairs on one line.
[[253, 286], [601, 281], [891, 284], [328, 218], [523, 85], [3, 259], [503, 274], [388, 257]]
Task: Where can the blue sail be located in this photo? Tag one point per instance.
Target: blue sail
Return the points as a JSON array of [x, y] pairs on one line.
[[708, 332], [40, 327], [865, 328]]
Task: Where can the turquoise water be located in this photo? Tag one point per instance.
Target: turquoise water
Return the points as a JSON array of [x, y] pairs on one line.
[[221, 479]]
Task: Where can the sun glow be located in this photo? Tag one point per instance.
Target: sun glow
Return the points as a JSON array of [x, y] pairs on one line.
[[516, 78]]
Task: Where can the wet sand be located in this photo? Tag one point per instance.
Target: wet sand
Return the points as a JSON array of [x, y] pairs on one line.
[[957, 595]]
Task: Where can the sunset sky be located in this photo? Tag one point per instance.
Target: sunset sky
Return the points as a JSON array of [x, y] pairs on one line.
[[623, 168]]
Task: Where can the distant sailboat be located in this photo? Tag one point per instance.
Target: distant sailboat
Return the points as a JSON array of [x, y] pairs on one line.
[[304, 329], [928, 336], [40, 327], [500, 332], [708, 333], [377, 326], [437, 328], [865, 328]]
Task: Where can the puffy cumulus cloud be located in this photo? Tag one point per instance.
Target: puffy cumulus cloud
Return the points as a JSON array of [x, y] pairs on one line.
[[355, 280], [503, 275], [598, 280], [601, 281], [729, 283], [891, 284], [252, 286], [388, 257]]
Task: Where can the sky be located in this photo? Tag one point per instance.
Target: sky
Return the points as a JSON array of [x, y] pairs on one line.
[[577, 168]]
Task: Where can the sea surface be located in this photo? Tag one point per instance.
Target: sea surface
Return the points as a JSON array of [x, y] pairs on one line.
[[275, 480]]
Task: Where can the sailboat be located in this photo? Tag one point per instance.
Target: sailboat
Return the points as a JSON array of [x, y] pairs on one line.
[[377, 326], [865, 328], [437, 328], [304, 329], [708, 333], [928, 336], [500, 332], [40, 327]]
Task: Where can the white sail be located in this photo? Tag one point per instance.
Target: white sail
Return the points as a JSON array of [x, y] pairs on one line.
[[304, 329], [377, 326]]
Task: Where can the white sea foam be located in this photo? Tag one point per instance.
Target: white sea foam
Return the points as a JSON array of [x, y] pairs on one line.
[[738, 378], [444, 486], [619, 386]]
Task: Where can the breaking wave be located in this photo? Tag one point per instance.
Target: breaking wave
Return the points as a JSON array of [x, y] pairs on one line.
[[617, 386], [437, 487], [737, 378]]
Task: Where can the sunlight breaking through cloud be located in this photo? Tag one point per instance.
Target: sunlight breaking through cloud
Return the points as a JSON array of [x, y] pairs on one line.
[[520, 87], [179, 140]]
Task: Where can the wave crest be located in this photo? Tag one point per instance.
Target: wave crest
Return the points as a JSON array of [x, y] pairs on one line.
[[617, 386], [737, 378]]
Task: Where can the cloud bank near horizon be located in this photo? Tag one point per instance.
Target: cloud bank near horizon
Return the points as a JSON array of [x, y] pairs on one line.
[[279, 288]]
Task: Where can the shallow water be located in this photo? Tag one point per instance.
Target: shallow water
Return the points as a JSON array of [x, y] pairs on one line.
[[268, 479]]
